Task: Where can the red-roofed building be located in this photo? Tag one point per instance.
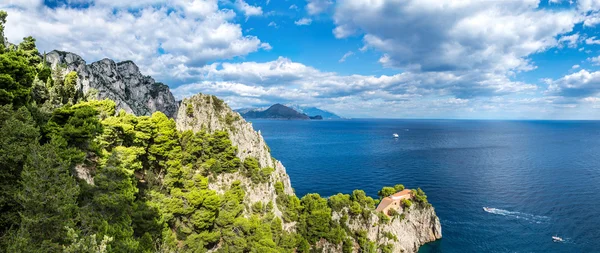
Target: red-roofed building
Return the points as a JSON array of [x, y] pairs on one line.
[[393, 201]]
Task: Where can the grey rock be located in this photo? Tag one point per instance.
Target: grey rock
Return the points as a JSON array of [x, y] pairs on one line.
[[121, 82]]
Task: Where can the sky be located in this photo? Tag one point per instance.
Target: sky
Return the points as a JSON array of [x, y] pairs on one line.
[[464, 59]]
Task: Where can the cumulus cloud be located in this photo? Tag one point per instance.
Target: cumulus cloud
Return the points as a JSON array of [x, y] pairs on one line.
[[594, 60], [481, 45], [592, 41], [346, 55], [314, 7], [577, 85], [426, 35], [303, 21], [569, 40], [284, 80], [247, 9], [163, 38]]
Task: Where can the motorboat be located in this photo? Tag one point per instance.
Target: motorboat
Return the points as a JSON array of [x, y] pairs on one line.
[[557, 239], [396, 135]]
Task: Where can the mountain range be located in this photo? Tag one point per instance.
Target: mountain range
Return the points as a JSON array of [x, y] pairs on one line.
[[287, 111]]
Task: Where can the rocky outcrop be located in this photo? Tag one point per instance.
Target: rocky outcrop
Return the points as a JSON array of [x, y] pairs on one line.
[[418, 226], [121, 82], [208, 113]]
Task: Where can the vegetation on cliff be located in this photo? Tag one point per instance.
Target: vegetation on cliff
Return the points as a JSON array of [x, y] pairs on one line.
[[78, 176]]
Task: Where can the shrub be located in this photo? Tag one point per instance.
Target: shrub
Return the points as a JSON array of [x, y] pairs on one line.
[[406, 203], [399, 187], [389, 236], [386, 248], [189, 109], [386, 191], [339, 201]]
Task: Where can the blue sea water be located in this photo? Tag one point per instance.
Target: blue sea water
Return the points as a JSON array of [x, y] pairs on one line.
[[541, 177]]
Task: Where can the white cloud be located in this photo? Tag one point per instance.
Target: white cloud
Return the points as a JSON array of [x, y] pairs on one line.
[[303, 21], [273, 24], [479, 45], [577, 85], [431, 36], [346, 55], [293, 7], [317, 6], [588, 5], [187, 33], [247, 9], [594, 60], [576, 66], [592, 41], [570, 40], [268, 80]]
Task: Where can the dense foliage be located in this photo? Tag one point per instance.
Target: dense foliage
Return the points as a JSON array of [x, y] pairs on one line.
[[77, 176]]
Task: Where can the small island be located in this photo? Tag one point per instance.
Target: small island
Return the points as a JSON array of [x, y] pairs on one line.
[[280, 111]]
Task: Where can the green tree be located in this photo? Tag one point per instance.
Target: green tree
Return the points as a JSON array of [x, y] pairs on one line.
[[386, 192], [17, 134], [399, 187], [315, 220], [109, 212], [30, 51], [76, 125], [16, 79], [68, 90], [3, 16], [49, 199]]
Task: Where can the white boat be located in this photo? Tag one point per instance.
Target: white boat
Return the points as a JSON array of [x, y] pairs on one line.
[[487, 209], [396, 135], [557, 239]]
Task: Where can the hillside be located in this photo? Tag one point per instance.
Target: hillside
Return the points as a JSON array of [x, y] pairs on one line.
[[100, 158]]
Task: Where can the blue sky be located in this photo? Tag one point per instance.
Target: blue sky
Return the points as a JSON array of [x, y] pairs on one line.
[[525, 59]]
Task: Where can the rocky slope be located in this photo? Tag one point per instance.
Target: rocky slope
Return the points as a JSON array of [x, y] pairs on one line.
[[205, 112], [419, 226], [121, 82]]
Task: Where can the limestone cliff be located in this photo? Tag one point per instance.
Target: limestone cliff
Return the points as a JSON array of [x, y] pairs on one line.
[[121, 82], [205, 112], [418, 226]]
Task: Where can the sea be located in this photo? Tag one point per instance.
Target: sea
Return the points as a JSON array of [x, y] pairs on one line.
[[539, 178]]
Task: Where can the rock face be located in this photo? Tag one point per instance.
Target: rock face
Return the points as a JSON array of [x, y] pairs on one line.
[[121, 82], [208, 113], [419, 226]]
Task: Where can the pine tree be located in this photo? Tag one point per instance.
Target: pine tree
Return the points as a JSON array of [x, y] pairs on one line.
[[49, 199]]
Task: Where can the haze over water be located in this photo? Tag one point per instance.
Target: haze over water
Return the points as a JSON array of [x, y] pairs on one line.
[[542, 178]]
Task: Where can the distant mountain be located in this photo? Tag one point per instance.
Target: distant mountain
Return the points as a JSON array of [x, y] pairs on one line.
[[314, 111], [311, 112], [276, 111]]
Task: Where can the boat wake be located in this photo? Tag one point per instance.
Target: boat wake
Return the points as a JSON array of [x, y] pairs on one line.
[[517, 215]]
